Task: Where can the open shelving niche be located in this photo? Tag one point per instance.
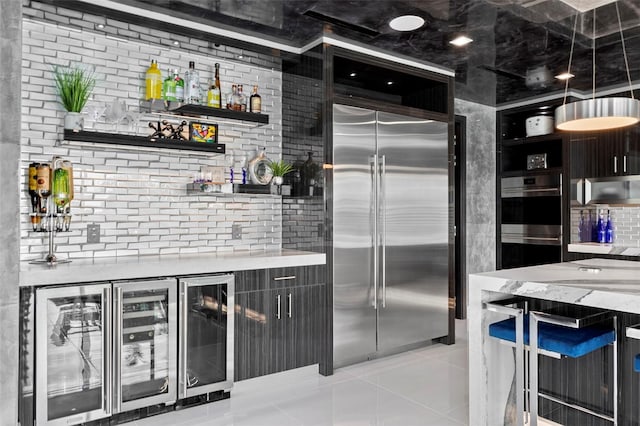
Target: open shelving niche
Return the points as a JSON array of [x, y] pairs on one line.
[[159, 110]]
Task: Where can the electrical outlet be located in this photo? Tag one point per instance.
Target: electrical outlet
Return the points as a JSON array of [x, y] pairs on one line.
[[236, 231], [93, 234]]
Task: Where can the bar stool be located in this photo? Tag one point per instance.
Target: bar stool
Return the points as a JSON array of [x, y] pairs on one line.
[[560, 336]]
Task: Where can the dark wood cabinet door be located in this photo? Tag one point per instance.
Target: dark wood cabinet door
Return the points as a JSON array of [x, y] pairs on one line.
[[305, 310]]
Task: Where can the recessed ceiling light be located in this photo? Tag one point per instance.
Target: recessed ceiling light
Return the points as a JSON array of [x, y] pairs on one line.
[[101, 26], [406, 23], [389, 83], [353, 74], [461, 41], [564, 76]]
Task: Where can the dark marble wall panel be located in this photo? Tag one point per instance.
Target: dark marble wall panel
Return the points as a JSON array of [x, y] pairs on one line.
[[10, 78]]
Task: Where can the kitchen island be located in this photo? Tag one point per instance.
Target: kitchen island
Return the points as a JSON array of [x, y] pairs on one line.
[[602, 283]]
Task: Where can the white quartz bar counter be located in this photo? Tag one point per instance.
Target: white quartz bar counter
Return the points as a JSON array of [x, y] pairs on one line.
[[133, 267], [605, 283]]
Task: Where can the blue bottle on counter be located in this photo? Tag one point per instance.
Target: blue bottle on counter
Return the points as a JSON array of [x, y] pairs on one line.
[[609, 229], [602, 228]]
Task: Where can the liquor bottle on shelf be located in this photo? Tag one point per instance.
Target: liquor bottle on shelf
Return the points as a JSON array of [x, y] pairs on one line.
[[242, 99], [33, 195], [169, 87], [255, 101], [231, 97], [608, 238], [153, 82], [214, 96], [179, 86], [192, 85]]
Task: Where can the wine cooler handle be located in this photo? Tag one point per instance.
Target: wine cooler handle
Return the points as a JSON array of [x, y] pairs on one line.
[[615, 164], [383, 220], [374, 214], [624, 164], [289, 305], [108, 356], [278, 310], [117, 354], [183, 379]]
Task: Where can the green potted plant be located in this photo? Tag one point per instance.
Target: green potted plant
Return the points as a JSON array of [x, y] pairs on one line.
[[279, 169], [74, 86]]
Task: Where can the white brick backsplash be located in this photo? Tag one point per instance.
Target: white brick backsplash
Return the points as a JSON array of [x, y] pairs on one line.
[[138, 195]]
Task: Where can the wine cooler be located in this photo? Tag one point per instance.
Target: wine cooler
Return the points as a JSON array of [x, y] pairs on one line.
[[206, 335], [73, 361], [145, 319], [103, 349]]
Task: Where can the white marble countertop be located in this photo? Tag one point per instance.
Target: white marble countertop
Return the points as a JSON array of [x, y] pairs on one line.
[[607, 283], [596, 248], [132, 267]]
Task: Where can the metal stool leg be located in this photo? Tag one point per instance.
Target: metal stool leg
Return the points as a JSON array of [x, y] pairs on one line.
[[518, 313]]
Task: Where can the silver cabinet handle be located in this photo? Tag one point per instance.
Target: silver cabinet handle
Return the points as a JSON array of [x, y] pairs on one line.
[[624, 164], [383, 219], [117, 358], [289, 305], [290, 277], [374, 212], [107, 384], [183, 378], [278, 310], [615, 164]]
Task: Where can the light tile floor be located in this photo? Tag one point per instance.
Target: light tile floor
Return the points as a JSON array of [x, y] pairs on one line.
[[427, 386]]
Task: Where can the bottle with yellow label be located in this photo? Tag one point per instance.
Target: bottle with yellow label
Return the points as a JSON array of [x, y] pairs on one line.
[[153, 80]]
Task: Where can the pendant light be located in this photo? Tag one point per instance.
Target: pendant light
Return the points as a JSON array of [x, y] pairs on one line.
[[598, 113]]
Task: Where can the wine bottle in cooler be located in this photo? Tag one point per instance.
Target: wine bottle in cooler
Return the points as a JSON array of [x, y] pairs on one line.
[[581, 225], [602, 228]]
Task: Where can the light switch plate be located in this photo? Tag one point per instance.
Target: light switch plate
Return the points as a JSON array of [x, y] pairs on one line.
[[93, 234], [236, 231]]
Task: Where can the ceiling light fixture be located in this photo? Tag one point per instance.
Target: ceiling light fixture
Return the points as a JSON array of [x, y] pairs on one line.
[[598, 113], [176, 43], [406, 23], [101, 26], [389, 83], [353, 74], [564, 76], [461, 41]]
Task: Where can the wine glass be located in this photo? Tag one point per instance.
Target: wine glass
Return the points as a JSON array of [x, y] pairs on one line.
[[241, 164], [229, 162], [116, 111], [94, 111]]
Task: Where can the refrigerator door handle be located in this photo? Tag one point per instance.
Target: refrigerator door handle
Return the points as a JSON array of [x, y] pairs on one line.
[[107, 373], [383, 220], [373, 160], [117, 357], [183, 378]]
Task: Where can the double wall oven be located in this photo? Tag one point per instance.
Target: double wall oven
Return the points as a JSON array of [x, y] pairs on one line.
[[531, 219], [112, 347]]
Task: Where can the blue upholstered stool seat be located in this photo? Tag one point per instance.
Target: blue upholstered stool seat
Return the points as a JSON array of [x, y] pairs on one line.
[[636, 363], [571, 342]]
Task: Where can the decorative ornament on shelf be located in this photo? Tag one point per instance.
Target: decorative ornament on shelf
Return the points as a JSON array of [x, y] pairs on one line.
[[74, 86], [279, 169], [259, 170], [598, 113]]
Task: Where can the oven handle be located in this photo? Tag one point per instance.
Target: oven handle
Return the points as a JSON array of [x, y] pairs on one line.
[[513, 193], [523, 239]]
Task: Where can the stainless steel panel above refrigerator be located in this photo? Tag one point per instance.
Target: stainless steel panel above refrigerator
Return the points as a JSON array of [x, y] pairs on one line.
[[145, 318], [73, 355], [391, 232], [206, 335]]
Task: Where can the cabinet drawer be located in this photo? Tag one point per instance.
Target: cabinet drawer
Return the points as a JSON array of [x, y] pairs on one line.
[[296, 276], [252, 280]]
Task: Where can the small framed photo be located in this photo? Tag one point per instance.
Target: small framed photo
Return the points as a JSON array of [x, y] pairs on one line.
[[203, 132]]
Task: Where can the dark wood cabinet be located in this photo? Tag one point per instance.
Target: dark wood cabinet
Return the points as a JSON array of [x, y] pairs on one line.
[[278, 316], [605, 154]]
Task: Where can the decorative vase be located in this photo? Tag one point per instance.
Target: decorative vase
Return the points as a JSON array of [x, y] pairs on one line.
[[259, 170], [74, 121]]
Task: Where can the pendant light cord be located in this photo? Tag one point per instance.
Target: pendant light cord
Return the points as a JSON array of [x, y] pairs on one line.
[[624, 52], [573, 42]]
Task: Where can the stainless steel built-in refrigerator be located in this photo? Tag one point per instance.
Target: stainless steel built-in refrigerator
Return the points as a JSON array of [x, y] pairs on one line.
[[390, 232]]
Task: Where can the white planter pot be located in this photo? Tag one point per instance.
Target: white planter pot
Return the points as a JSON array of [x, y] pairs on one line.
[[278, 180], [74, 121]]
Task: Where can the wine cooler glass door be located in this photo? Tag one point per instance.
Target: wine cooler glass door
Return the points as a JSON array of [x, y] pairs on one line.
[[206, 335], [73, 346], [145, 343]]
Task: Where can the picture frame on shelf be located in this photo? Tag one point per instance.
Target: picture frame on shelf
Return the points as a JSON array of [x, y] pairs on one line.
[[203, 132]]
